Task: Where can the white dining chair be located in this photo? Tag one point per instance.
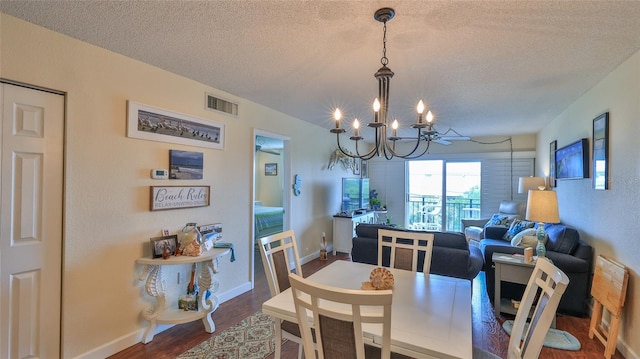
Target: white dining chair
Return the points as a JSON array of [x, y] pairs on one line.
[[404, 254], [279, 251], [544, 290], [338, 317]]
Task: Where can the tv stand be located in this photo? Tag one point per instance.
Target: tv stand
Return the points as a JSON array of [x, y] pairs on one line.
[[344, 229]]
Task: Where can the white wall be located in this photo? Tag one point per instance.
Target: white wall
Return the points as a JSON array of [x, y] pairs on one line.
[[606, 219], [269, 188], [107, 219]]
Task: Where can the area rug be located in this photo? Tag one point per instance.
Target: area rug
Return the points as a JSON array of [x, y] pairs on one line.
[[252, 338], [557, 339]]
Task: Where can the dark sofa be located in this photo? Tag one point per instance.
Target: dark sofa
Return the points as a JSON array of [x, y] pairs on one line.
[[564, 248], [452, 256]]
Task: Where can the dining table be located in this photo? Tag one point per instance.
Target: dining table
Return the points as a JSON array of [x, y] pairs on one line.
[[430, 314]]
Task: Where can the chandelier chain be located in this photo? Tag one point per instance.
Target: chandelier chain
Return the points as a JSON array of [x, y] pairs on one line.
[[384, 60]]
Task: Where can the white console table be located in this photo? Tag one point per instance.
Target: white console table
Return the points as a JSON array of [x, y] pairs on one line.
[[344, 229], [159, 314]]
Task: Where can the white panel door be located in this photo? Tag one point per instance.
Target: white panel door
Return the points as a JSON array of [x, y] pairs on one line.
[[31, 194]]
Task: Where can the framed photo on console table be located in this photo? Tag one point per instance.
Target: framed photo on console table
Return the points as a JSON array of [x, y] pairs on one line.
[[158, 245], [601, 151]]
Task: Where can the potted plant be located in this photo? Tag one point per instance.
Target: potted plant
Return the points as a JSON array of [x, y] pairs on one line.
[[375, 203]]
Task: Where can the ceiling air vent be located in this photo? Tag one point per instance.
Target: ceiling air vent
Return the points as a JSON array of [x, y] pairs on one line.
[[217, 104]]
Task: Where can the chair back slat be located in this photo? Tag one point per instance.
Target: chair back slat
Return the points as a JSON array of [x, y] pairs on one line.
[[338, 315], [279, 252], [405, 247], [338, 339], [544, 290]]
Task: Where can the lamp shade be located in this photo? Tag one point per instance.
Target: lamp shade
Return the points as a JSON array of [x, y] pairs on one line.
[[542, 206], [527, 183]]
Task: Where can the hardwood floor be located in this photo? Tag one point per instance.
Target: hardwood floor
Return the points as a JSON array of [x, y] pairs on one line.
[[487, 331]]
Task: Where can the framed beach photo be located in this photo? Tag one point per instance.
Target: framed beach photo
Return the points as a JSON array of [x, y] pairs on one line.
[[185, 164], [270, 169], [601, 151], [156, 124], [158, 245], [553, 146]]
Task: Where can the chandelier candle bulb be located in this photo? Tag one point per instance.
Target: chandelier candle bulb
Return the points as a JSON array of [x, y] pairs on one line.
[[376, 110], [356, 127], [429, 117], [394, 125], [420, 110]]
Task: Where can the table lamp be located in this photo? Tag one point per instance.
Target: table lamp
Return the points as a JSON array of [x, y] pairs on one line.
[[527, 183], [542, 207]]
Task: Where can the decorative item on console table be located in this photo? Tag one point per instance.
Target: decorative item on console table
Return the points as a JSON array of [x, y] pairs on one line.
[[161, 245], [191, 241]]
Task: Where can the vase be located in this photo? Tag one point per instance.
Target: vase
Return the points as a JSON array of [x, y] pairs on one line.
[[541, 250], [191, 240]]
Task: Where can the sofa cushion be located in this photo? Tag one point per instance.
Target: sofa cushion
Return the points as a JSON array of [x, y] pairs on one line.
[[517, 226], [519, 239], [455, 240], [498, 220], [370, 230], [562, 239]]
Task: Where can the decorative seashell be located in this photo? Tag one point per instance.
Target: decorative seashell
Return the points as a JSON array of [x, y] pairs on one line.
[[381, 278], [367, 286], [193, 249]]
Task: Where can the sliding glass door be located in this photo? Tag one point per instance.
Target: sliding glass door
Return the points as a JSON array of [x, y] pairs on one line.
[[441, 193]]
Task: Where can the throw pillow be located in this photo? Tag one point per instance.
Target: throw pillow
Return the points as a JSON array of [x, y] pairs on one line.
[[562, 239], [498, 220], [532, 241], [517, 226], [517, 240]]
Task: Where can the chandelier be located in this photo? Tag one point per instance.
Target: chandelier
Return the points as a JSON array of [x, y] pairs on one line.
[[385, 135]]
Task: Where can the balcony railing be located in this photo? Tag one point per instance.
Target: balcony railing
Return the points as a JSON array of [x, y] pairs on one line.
[[426, 212]]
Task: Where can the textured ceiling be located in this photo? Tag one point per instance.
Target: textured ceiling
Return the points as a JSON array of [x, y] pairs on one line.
[[482, 67]]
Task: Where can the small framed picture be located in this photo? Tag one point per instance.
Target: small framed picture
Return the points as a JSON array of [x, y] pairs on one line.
[[601, 151], [364, 170], [185, 164], [158, 245], [553, 146], [356, 166], [270, 169]]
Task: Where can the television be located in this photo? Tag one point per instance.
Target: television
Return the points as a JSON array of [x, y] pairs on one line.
[[572, 161], [355, 194]]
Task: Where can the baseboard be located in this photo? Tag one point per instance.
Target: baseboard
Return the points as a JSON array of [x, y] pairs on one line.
[[626, 351], [135, 337], [310, 257]]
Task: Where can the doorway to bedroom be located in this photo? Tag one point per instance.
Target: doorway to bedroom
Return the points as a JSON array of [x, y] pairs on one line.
[[270, 180]]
